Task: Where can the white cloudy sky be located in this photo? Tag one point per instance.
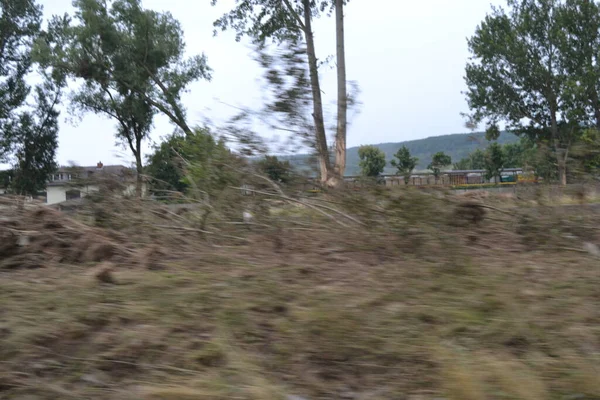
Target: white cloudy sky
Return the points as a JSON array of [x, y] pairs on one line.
[[408, 58]]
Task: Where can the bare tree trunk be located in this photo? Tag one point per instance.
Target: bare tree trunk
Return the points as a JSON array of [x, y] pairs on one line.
[[320, 136], [596, 105], [561, 156], [139, 169], [342, 95]]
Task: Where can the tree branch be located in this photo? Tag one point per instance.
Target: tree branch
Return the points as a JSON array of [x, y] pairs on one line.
[[179, 120], [295, 14], [54, 102]]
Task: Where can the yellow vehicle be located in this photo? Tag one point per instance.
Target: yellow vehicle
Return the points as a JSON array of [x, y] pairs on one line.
[[527, 178]]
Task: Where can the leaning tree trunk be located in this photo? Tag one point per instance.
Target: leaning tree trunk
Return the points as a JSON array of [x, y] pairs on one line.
[[321, 138], [342, 95]]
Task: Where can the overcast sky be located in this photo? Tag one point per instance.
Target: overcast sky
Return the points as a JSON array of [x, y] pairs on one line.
[[408, 58]]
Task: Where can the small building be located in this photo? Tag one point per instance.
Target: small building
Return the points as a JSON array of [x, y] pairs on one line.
[[69, 183]]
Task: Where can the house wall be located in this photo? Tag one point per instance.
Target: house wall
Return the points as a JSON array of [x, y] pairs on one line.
[[58, 194], [130, 190]]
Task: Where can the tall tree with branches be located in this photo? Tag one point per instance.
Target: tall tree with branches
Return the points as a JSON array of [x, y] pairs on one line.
[[28, 130], [130, 63], [19, 27], [534, 68], [291, 20]]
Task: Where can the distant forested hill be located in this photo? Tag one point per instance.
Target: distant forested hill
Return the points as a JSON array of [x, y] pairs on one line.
[[456, 146]]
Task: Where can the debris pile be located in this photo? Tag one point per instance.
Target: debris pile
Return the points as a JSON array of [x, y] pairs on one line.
[[32, 237]]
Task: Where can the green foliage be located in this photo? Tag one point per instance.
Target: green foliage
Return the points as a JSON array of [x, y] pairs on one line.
[[165, 167], [209, 165], [276, 20], [19, 26], [586, 154], [523, 154], [129, 58], [439, 161], [199, 164], [372, 160], [492, 132], [494, 161], [579, 21], [508, 49], [535, 69], [536, 157], [28, 132], [37, 137], [515, 154], [405, 163], [6, 177], [591, 141], [276, 170], [475, 160]]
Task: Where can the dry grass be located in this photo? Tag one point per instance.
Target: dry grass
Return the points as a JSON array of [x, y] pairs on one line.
[[408, 305]]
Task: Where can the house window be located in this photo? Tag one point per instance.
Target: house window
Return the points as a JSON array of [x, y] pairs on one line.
[[73, 194]]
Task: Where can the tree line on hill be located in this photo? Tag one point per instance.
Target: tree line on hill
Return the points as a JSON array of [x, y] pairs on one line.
[[373, 161]]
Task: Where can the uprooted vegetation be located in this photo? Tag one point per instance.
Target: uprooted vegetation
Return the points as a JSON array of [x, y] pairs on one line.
[[371, 294]]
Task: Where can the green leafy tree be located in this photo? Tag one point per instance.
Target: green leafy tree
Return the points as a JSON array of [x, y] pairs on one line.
[[518, 73], [28, 130], [276, 170], [198, 163], [494, 162], [404, 163], [125, 47], [579, 21], [462, 164], [291, 21], [439, 161], [587, 153], [165, 167], [19, 27], [475, 160], [36, 134], [209, 166], [515, 155], [131, 63], [372, 161], [6, 177], [289, 93]]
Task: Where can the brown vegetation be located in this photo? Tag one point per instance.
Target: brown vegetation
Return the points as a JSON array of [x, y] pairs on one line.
[[358, 295]]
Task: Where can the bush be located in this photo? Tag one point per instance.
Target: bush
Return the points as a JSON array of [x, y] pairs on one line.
[[372, 160], [276, 170]]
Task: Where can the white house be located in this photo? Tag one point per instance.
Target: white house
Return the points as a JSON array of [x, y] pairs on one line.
[[69, 183]]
